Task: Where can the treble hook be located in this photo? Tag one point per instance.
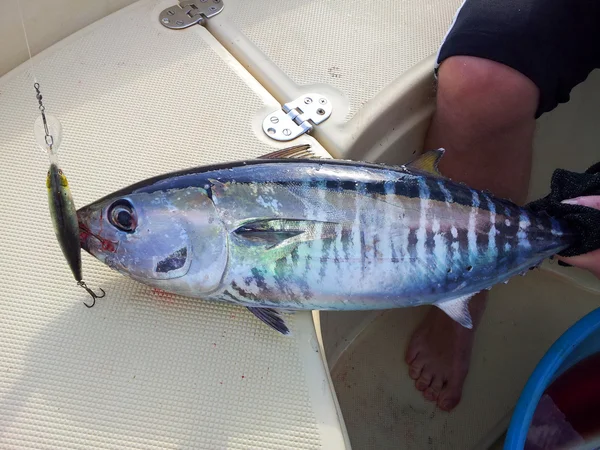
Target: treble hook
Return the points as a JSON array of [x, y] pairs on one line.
[[92, 293]]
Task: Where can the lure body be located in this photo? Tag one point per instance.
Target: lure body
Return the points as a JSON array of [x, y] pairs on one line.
[[64, 218]]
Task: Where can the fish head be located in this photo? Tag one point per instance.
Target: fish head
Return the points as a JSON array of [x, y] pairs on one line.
[[170, 239]]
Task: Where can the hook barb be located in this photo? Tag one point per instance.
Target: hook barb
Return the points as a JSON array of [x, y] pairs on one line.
[[92, 293]]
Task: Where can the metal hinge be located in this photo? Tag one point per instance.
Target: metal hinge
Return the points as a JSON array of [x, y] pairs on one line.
[[297, 117], [191, 12]]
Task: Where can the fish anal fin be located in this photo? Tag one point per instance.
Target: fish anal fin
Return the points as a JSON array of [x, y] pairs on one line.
[[428, 162], [302, 151], [271, 317], [458, 310]]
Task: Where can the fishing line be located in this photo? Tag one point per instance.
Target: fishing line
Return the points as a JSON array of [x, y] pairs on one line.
[[26, 40]]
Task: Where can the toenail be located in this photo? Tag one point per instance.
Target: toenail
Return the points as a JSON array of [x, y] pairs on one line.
[[446, 405]]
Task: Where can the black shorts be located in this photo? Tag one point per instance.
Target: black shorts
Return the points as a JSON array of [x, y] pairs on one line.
[[555, 43]]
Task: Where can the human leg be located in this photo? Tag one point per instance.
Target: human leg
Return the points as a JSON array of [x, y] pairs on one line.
[[499, 70], [488, 139]]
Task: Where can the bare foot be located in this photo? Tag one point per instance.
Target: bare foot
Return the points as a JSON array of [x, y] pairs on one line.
[[439, 354]]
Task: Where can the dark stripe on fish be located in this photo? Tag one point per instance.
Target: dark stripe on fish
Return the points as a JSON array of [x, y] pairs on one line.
[[376, 253], [412, 244], [295, 256], [333, 185], [346, 242], [348, 185], [259, 279], [429, 241], [376, 188], [394, 254], [247, 295], [363, 251], [409, 189], [325, 255]]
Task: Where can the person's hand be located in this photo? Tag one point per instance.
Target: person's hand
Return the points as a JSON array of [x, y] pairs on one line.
[[589, 261]]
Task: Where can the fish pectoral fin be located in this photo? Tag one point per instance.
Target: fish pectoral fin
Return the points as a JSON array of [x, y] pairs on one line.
[[278, 233], [295, 152], [270, 238], [271, 317], [428, 162], [458, 310]]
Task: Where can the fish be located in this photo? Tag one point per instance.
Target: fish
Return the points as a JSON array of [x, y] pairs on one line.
[[291, 231], [63, 214]]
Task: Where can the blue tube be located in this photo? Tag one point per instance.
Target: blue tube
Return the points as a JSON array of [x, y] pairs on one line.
[[577, 343]]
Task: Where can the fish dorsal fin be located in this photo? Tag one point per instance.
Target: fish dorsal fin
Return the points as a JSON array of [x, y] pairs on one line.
[[271, 317], [296, 152], [458, 310], [428, 162]]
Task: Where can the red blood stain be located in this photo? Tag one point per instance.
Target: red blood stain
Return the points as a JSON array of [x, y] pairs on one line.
[[243, 377], [162, 294], [108, 246], [85, 233], [214, 344]]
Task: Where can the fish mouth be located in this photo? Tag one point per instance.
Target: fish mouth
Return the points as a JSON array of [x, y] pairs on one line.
[[86, 236]]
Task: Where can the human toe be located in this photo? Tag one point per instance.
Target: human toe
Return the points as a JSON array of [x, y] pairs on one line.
[[424, 381], [433, 391], [415, 369], [449, 397]]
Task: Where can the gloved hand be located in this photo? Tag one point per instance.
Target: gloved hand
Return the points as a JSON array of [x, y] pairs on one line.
[[591, 260], [575, 199]]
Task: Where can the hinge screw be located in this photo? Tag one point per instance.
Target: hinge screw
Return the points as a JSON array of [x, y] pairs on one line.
[[308, 100], [320, 111], [286, 132], [171, 12], [274, 119], [322, 101]]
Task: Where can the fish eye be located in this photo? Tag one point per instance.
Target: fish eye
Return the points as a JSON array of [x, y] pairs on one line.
[[122, 216]]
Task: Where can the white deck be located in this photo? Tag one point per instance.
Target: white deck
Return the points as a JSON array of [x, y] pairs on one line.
[[140, 369]]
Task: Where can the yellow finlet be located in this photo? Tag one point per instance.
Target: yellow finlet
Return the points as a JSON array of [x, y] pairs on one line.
[[428, 162]]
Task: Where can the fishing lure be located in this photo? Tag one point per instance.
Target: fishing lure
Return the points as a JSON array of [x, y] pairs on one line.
[[60, 201]]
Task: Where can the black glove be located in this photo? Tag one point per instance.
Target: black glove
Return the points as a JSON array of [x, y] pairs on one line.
[[582, 220]]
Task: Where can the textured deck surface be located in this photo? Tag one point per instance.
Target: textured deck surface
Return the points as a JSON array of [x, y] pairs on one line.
[[355, 46], [141, 369]]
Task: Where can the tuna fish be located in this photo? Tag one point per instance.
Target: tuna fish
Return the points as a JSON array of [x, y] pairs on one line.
[[289, 231]]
